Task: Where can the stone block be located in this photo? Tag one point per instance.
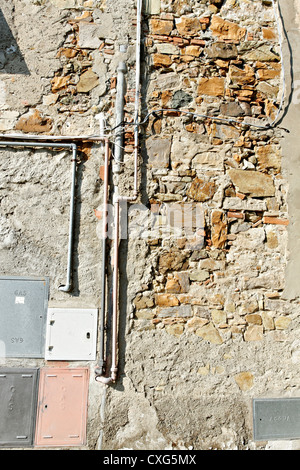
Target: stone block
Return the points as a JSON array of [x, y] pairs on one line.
[[221, 50], [214, 86], [201, 190], [89, 35], [226, 29], [188, 27], [158, 151], [87, 82], [209, 333], [180, 311], [158, 26], [252, 183]]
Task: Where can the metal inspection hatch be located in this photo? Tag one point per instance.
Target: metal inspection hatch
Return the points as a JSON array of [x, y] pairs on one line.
[[276, 418], [62, 407], [71, 334], [18, 398], [23, 314]]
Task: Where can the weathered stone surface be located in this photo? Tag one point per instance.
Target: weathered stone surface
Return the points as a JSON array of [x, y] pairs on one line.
[[158, 151], [261, 53], [143, 301], [254, 319], [245, 380], [201, 190], [282, 323], [180, 311], [161, 60], [267, 90], [211, 86], [218, 317], [253, 183], [199, 275], [175, 329], [34, 122], [268, 158], [242, 77], [232, 109], [219, 229], [226, 29], [59, 83], [87, 82], [171, 261], [166, 300], [89, 35], [194, 51], [268, 321], [209, 333], [254, 333], [188, 26], [181, 99], [196, 322], [158, 26], [224, 131], [8, 120], [268, 74], [221, 50]]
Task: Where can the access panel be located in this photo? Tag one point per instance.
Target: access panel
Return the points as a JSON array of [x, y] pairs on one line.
[[18, 399], [23, 313], [71, 334], [62, 407], [276, 418]]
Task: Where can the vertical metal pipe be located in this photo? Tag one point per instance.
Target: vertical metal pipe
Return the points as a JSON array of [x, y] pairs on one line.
[[68, 286], [114, 354], [119, 113], [101, 364]]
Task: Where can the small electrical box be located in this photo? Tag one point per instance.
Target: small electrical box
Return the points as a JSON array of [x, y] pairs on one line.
[[71, 334], [18, 400], [276, 418], [62, 407], [23, 313]]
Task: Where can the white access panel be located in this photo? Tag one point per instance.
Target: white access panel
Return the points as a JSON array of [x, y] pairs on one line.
[[71, 334]]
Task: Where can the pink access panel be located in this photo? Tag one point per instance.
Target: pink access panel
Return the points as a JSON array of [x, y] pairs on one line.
[[62, 407]]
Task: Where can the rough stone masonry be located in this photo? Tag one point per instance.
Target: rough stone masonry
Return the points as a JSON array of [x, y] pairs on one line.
[[206, 319]]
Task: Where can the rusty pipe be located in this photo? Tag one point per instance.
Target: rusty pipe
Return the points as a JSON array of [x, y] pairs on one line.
[[114, 340], [101, 364]]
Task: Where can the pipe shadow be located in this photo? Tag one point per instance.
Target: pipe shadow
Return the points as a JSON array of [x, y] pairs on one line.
[[11, 58], [289, 97]]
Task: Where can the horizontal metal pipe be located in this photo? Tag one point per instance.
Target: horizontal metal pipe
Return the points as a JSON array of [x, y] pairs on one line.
[[41, 138]]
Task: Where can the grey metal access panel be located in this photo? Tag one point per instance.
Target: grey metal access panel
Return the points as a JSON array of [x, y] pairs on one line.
[[18, 404], [23, 315], [276, 419]]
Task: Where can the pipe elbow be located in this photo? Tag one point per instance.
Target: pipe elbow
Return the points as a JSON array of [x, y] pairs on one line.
[[104, 380], [66, 288]]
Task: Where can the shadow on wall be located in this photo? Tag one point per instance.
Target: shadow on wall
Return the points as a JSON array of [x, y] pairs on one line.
[[11, 59]]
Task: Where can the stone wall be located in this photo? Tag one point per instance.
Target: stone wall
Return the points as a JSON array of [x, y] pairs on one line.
[[204, 325]]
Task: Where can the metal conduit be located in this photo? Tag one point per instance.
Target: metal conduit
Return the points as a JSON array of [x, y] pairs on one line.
[[67, 287], [101, 364], [118, 199]]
